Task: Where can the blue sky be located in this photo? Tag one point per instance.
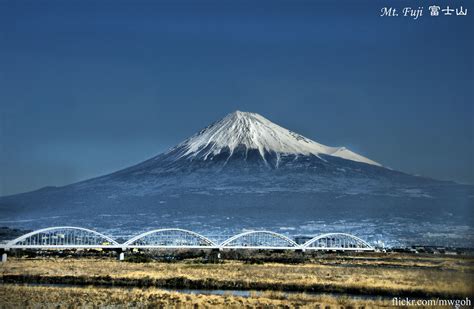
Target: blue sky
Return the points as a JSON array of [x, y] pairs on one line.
[[87, 88]]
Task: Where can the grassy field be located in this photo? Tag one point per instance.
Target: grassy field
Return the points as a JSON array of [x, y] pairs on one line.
[[387, 275], [71, 297]]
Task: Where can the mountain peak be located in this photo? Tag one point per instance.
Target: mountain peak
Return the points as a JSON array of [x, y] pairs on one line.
[[240, 113], [243, 116], [251, 131]]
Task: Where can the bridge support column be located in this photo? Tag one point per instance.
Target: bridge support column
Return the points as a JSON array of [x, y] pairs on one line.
[[4, 257], [121, 254]]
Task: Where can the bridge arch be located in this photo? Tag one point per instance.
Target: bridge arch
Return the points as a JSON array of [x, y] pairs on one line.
[[62, 236], [337, 241], [259, 239], [171, 237]]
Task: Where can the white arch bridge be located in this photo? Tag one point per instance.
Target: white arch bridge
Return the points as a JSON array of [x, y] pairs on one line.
[[69, 237]]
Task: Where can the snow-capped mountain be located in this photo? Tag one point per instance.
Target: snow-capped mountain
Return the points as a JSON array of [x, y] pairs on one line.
[[244, 131], [245, 171], [247, 142]]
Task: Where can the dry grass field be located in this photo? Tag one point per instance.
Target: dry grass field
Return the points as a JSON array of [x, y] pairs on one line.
[[97, 297], [387, 275]]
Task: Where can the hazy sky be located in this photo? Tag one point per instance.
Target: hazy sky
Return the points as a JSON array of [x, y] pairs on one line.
[[87, 88]]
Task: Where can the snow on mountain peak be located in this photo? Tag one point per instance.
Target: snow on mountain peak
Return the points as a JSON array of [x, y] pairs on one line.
[[253, 131]]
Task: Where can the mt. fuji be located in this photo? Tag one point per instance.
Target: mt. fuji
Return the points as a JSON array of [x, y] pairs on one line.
[[243, 172]]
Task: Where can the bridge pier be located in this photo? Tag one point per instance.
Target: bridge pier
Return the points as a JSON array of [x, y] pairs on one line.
[[4, 256], [121, 254]]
